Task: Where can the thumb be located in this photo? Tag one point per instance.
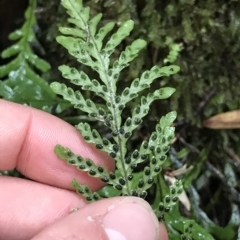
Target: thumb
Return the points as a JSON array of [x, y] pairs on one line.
[[121, 218]]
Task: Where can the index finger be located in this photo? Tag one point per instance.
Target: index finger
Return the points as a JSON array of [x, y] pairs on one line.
[[27, 140]]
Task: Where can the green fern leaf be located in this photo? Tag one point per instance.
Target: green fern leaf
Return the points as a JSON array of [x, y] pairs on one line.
[[22, 84], [85, 43]]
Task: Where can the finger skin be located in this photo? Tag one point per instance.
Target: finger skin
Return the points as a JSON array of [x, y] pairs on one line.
[[73, 227], [90, 222], [27, 207], [27, 140]]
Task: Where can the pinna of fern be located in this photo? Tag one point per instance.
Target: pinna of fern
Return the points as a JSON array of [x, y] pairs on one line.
[[93, 47]]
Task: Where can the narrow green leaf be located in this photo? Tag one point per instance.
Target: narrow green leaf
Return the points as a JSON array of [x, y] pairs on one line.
[[117, 37], [61, 152], [72, 31], [85, 191], [93, 23], [101, 34], [163, 93], [16, 35], [39, 63], [108, 192], [72, 6], [12, 51], [81, 79], [5, 91], [130, 53], [6, 69], [168, 119]]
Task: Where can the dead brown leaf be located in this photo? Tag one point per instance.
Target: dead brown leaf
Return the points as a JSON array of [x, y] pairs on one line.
[[227, 120]]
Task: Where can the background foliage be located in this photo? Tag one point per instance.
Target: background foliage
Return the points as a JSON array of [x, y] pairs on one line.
[[207, 35]]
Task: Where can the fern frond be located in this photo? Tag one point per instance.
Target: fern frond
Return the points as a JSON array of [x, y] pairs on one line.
[[86, 44], [22, 84]]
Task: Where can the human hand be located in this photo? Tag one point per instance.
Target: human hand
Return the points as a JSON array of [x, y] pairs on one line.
[[41, 209]]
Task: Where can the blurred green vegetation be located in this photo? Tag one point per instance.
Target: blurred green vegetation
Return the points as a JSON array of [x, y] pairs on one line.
[[207, 36]]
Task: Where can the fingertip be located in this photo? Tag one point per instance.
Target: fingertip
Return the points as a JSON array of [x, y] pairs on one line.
[[117, 218], [163, 232], [132, 219]]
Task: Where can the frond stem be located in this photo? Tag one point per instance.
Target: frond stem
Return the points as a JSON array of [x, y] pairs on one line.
[[112, 100]]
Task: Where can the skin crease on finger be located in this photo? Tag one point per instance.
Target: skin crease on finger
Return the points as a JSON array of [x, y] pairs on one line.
[[27, 139]]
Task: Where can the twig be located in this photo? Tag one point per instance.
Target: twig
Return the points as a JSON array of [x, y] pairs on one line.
[[206, 99], [234, 194], [232, 154]]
